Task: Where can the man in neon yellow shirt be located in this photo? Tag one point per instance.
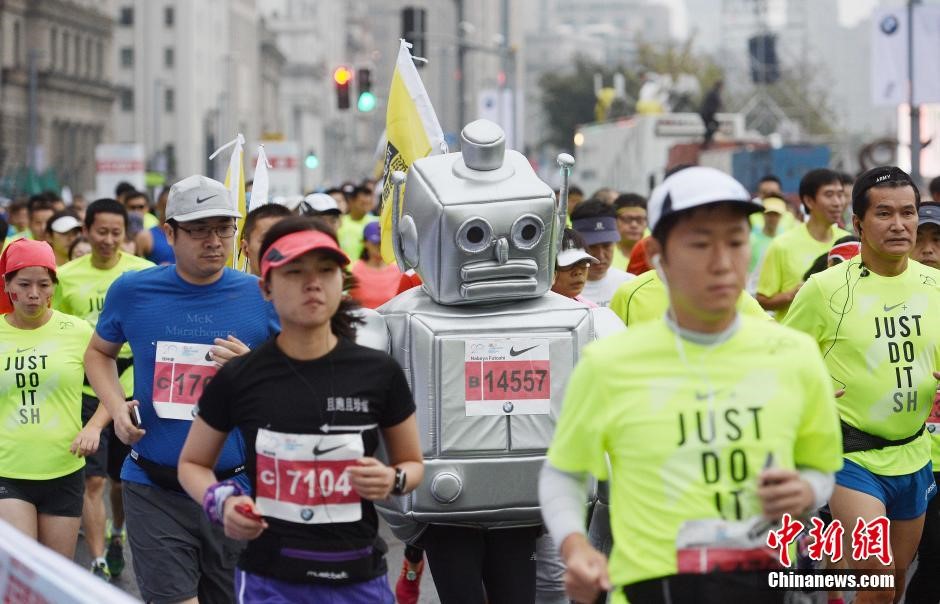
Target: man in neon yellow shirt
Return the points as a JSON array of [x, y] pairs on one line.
[[351, 225], [81, 290], [875, 320], [687, 410], [792, 252], [645, 299]]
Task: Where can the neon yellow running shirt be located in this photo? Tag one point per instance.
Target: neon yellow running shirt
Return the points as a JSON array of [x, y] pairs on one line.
[[645, 299], [687, 433], [81, 291], [880, 337], [787, 259], [41, 373]]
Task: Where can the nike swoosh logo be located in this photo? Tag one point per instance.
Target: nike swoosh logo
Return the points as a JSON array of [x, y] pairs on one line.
[[890, 308], [317, 451], [205, 198], [701, 396], [514, 353], [21, 351]]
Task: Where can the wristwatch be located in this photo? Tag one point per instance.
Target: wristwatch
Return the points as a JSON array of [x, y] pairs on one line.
[[401, 480]]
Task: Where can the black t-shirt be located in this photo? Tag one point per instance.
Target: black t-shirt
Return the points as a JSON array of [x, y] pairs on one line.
[[303, 422]]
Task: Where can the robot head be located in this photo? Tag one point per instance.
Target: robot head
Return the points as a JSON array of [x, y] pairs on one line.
[[479, 226]]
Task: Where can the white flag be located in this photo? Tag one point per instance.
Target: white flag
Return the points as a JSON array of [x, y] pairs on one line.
[[259, 188]]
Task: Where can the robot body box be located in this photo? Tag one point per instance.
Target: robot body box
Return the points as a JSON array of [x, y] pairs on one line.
[[488, 382]]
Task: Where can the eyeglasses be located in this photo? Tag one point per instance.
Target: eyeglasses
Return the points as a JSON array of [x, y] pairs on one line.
[[628, 219], [203, 232]]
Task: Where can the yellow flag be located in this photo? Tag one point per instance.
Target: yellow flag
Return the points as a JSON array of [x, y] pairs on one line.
[[235, 183], [412, 131]]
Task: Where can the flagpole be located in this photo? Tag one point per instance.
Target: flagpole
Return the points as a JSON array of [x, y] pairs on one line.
[[915, 109]]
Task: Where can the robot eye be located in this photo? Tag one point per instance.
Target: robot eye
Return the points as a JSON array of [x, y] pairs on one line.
[[527, 231], [474, 235]]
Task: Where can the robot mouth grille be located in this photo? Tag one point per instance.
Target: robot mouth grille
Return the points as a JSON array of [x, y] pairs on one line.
[[522, 270], [504, 288]]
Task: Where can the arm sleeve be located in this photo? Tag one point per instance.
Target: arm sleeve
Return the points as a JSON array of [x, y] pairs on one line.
[[215, 404], [822, 484], [770, 280], [399, 402], [562, 496], [110, 322], [579, 441]]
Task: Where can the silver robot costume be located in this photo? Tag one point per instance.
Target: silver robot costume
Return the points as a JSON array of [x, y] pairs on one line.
[[486, 347]]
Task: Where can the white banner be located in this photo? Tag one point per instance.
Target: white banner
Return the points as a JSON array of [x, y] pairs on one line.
[[33, 574], [118, 163], [889, 66]]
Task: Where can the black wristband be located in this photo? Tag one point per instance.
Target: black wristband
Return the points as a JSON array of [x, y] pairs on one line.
[[401, 480]]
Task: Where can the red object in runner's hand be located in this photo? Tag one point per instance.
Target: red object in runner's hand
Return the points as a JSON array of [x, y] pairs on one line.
[[247, 511]]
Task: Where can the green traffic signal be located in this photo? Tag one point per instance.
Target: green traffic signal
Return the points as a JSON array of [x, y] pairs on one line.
[[311, 161], [366, 102]]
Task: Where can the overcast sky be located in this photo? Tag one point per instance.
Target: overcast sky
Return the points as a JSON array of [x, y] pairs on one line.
[[850, 12]]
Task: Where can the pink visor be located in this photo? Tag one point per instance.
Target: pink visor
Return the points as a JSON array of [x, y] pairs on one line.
[[297, 244], [845, 251], [22, 253]]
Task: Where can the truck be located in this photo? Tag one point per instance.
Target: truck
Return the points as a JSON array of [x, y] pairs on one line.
[[631, 154]]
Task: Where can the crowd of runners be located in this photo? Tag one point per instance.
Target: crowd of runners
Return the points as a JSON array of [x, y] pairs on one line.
[[779, 363]]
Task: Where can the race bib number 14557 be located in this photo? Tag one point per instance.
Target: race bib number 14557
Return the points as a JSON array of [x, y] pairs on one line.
[[507, 377]]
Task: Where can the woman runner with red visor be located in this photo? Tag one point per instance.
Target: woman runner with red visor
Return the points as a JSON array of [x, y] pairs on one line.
[[41, 374], [313, 406]]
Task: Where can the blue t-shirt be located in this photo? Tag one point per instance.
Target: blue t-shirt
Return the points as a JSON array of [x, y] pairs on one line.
[[161, 252], [157, 305]]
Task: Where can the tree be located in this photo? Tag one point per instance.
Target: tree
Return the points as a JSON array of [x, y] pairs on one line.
[[568, 101], [568, 97]]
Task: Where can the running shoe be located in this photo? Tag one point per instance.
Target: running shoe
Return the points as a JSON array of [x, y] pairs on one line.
[[99, 568], [408, 587], [115, 553]]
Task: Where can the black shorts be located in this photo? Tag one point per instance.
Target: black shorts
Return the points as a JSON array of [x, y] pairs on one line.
[[111, 451], [62, 496], [95, 465]]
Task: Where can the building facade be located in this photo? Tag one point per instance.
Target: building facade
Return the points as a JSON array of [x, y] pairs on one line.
[[189, 76], [56, 91]]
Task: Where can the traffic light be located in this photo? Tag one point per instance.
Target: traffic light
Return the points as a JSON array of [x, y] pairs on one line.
[[366, 101], [413, 29], [311, 161], [341, 78]]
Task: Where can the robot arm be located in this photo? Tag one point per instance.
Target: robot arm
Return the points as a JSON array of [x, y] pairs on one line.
[[374, 332], [605, 322]]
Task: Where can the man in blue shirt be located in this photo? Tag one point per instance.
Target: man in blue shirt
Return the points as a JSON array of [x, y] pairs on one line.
[[183, 322]]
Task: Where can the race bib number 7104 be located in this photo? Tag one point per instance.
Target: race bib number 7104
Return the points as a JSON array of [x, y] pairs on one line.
[[180, 374], [303, 478]]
